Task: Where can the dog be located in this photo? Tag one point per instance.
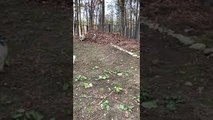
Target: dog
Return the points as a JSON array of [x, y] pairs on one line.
[[3, 52]]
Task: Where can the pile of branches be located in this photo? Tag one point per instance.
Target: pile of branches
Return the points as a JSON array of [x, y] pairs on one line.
[[106, 38]]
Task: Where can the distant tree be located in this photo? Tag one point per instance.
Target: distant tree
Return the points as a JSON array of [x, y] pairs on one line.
[[122, 8], [76, 21], [79, 19], [137, 25], [103, 13], [123, 13]]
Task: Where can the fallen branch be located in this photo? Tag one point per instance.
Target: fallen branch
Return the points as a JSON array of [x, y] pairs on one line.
[[119, 48], [90, 97], [105, 97]]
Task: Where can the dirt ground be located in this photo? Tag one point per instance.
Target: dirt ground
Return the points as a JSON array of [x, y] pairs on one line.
[[177, 78], [119, 69], [180, 15], [40, 62], [189, 18]]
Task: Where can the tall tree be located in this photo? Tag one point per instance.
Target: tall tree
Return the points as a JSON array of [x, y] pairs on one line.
[[76, 22], [91, 12], [122, 8], [137, 25], [103, 14], [79, 20]]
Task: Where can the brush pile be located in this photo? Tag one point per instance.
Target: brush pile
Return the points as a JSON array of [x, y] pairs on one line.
[[105, 38]]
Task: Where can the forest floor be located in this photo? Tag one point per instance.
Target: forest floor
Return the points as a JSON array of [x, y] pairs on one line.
[[189, 18], [106, 83], [177, 81], [40, 62]]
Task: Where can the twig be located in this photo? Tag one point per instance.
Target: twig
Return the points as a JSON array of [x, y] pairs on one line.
[[89, 97], [105, 97]]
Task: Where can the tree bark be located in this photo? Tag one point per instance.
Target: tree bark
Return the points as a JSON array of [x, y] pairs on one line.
[[103, 14], [121, 4], [79, 12]]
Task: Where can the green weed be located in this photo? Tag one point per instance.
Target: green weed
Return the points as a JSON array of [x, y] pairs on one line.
[[124, 107]]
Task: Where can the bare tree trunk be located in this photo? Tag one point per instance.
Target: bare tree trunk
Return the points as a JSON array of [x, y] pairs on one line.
[[125, 22], [103, 14], [77, 21], [80, 28], [121, 4], [138, 30], [99, 15], [87, 16], [137, 20], [91, 11], [112, 27], [131, 20]]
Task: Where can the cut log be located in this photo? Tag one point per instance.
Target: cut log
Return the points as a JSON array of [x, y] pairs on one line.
[[119, 48]]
